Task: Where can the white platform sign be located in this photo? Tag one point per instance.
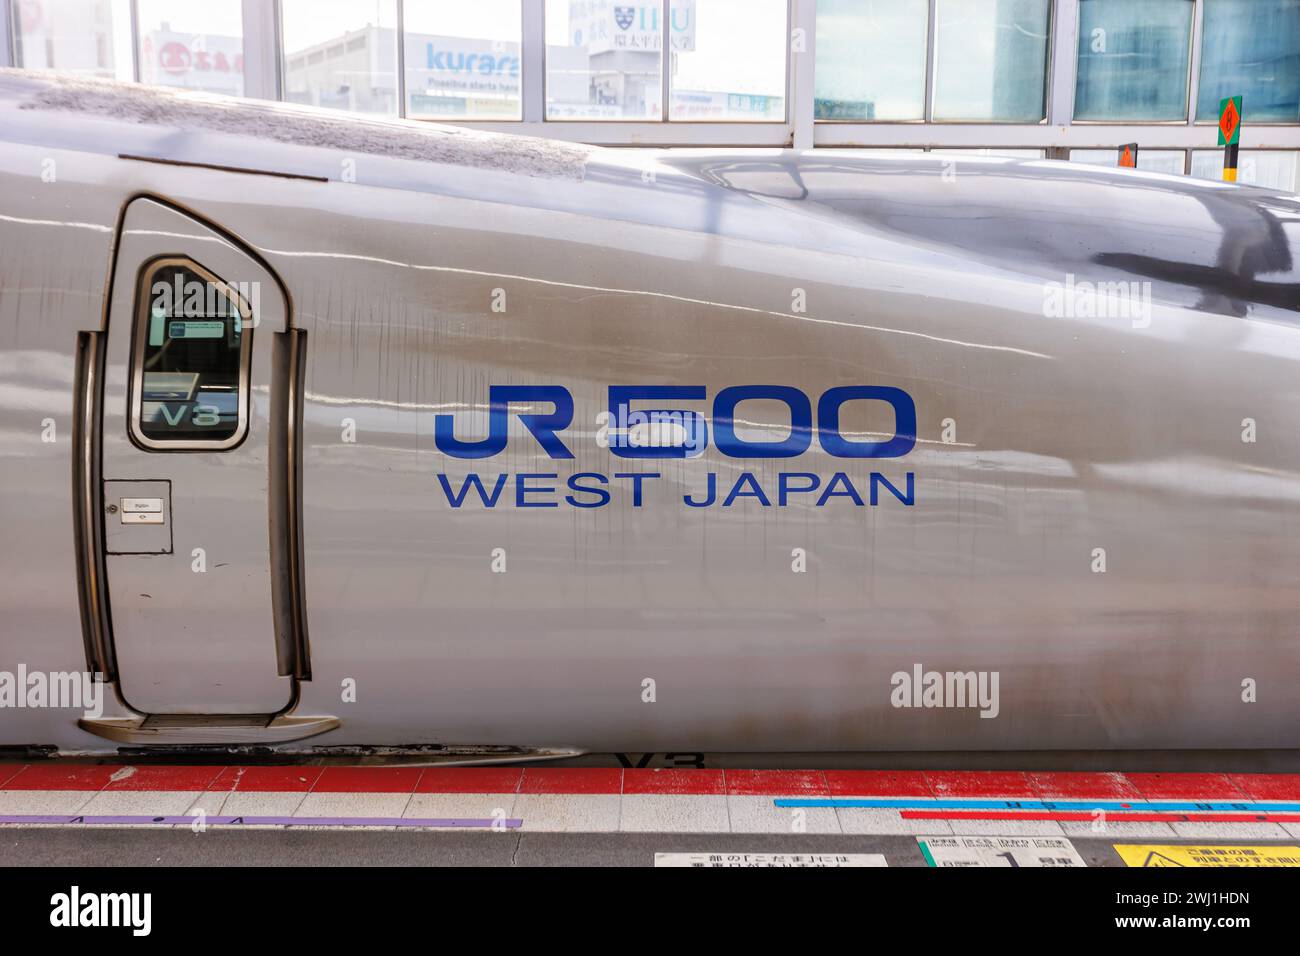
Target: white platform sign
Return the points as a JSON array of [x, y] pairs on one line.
[[998, 851], [769, 859]]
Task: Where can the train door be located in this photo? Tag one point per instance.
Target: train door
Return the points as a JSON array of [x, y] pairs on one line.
[[196, 483]]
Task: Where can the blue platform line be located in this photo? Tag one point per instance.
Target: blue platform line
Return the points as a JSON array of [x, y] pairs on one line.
[[895, 803]]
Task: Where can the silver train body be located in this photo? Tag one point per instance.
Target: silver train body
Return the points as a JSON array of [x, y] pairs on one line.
[[1095, 510]]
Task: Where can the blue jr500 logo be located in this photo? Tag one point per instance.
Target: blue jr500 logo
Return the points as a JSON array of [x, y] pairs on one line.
[[675, 433]]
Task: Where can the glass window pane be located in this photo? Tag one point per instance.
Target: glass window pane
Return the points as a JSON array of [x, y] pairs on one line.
[[728, 60], [871, 59], [193, 45], [603, 60], [991, 60], [462, 60], [88, 37], [1252, 50], [341, 54], [1152, 160], [192, 350], [1255, 167], [1133, 59]]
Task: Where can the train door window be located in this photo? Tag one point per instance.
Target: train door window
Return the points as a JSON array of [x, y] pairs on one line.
[[193, 341]]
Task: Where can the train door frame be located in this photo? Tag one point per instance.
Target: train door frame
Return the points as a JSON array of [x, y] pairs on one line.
[[116, 465]]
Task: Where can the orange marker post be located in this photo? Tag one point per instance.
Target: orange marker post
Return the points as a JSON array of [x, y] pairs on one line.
[[1230, 135]]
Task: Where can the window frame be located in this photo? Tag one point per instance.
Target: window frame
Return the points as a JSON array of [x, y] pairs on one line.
[[930, 73], [1190, 81], [665, 82], [276, 8], [927, 81], [140, 338], [664, 79], [401, 71], [1195, 92], [1057, 134], [932, 68], [8, 36]]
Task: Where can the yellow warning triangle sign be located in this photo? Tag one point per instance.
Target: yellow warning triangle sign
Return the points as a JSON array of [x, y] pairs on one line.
[[1159, 859]]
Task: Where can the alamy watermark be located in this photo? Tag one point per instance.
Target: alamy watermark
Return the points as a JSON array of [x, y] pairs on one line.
[[652, 428], [922, 688], [1073, 299], [182, 298], [72, 690], [75, 908]]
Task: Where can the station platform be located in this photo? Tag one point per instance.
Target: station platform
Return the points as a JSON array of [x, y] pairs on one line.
[[674, 816]]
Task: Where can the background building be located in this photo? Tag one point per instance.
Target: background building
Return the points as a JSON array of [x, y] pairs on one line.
[[1048, 78]]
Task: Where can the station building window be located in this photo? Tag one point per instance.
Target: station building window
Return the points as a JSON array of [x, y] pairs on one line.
[[728, 60], [85, 37], [1251, 48], [604, 62], [990, 60], [871, 59], [1133, 60], [192, 46], [341, 54], [1276, 169], [463, 61], [956, 77]]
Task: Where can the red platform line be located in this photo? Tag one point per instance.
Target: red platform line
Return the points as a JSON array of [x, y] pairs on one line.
[[1186, 786], [571, 780], [59, 776], [924, 785], [767, 783], [164, 777], [1111, 815], [673, 781], [367, 780], [9, 771], [292, 779], [878, 783], [980, 783], [469, 780], [1077, 785], [1268, 786]]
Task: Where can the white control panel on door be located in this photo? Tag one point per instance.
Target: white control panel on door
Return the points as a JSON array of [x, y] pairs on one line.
[[137, 516], [142, 510]]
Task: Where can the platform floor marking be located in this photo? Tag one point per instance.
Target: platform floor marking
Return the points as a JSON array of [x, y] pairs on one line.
[[1152, 807], [963, 851], [727, 860], [1118, 817], [1189, 806], [1000, 787], [1200, 855], [165, 820]]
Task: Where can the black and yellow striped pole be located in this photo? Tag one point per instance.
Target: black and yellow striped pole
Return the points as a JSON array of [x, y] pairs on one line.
[[1230, 135]]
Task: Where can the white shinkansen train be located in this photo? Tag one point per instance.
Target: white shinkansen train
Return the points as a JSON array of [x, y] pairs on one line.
[[320, 432]]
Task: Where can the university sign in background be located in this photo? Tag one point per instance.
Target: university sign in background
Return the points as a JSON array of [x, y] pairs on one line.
[[606, 25]]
